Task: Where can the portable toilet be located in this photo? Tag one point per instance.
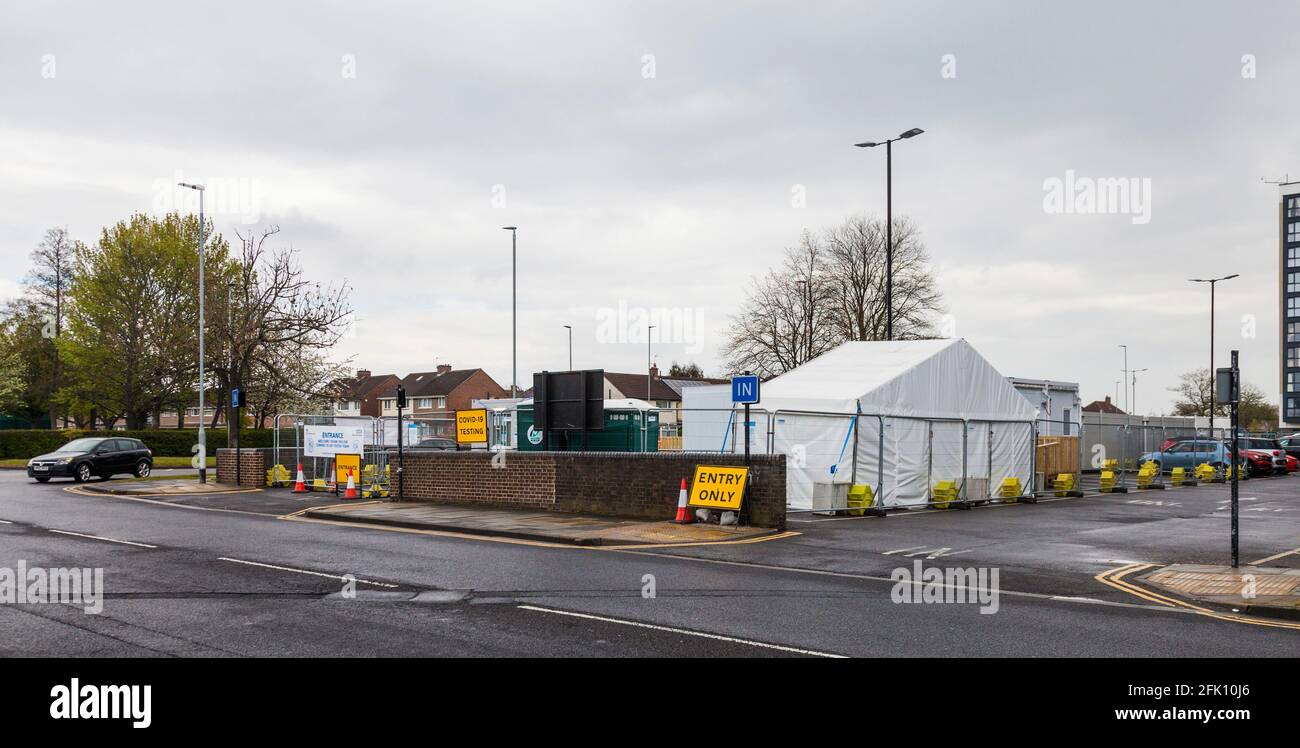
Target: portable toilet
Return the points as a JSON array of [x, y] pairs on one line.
[[630, 426]]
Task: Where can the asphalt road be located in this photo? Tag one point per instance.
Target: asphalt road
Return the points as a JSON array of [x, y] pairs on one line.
[[188, 580]]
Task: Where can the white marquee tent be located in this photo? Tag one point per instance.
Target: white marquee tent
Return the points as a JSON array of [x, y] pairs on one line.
[[929, 407]]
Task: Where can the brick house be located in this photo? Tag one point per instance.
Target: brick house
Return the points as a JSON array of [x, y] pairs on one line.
[[360, 395], [440, 391]]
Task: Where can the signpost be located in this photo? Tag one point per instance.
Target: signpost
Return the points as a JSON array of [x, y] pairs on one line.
[[745, 390], [471, 426], [236, 403], [1227, 386], [401, 403]]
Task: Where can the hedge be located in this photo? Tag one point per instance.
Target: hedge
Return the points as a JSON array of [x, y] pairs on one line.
[[27, 443]]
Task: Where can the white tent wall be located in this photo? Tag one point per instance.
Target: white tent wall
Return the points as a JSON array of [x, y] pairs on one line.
[[924, 390]]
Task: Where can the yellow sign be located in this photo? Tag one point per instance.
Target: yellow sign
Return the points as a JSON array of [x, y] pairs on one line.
[[342, 463], [471, 426], [718, 487]]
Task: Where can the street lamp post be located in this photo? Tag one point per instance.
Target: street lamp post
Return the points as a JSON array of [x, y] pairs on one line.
[[889, 223], [1212, 282], [230, 356], [647, 361], [570, 329], [203, 440], [514, 312]]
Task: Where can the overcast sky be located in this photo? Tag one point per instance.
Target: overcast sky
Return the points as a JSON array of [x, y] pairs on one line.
[[654, 155]]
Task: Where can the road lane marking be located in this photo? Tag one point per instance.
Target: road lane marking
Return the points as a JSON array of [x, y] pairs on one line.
[[106, 540], [1274, 557], [900, 550], [684, 632], [5, 522], [305, 571]]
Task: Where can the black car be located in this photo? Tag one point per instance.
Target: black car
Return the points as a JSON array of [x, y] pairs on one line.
[[105, 457], [438, 443], [1291, 443]]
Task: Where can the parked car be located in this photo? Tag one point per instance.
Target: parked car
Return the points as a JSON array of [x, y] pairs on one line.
[[1188, 453], [80, 459], [1292, 464], [1291, 444], [1265, 455]]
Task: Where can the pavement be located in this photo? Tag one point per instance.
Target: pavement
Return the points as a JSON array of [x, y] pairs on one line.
[[1270, 591], [177, 487], [555, 527], [230, 575]]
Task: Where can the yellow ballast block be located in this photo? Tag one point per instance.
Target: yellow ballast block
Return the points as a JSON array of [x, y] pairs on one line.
[[860, 497], [1010, 489], [945, 493]]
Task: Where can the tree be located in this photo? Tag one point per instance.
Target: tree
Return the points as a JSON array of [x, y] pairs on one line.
[[785, 319], [1255, 412], [47, 284], [130, 337], [690, 370], [830, 290], [283, 329]]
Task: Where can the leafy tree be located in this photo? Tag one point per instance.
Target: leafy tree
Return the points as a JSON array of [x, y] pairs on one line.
[[130, 333], [1255, 412], [690, 370]]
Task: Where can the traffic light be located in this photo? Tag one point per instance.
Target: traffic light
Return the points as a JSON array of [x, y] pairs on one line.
[[401, 396]]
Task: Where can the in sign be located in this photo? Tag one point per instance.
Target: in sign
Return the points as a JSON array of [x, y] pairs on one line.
[[744, 389]]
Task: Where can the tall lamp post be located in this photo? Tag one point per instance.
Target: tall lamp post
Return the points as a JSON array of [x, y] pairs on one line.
[[230, 355], [570, 329], [514, 312], [1212, 281], [647, 361], [203, 439], [889, 223]]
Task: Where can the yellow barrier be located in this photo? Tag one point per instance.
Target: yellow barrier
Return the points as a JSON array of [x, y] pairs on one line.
[[945, 493], [1112, 464], [1107, 480], [1206, 473], [1010, 491], [1177, 476], [860, 497], [1146, 474], [277, 476], [1064, 484]]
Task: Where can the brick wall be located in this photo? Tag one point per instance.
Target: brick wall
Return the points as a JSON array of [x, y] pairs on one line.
[[252, 467], [614, 484]]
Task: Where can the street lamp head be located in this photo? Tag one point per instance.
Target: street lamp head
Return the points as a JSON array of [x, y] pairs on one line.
[[198, 187], [1230, 277], [868, 144], [568, 327], [509, 228], [912, 133]]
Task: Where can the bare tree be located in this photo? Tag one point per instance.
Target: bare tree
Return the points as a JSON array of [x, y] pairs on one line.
[[856, 262], [785, 319], [831, 290], [283, 327]]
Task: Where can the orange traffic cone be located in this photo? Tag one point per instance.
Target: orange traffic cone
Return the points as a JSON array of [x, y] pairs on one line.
[[351, 492], [300, 486], [683, 513]]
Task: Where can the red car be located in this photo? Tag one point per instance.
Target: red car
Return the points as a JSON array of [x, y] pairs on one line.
[[1265, 456]]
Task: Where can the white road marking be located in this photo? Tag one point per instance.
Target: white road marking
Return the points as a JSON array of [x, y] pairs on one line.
[[305, 571], [900, 550], [107, 540], [1274, 557], [686, 632], [5, 522]]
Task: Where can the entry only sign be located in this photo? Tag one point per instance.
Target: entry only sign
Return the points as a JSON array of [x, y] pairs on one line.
[[471, 426], [718, 487], [744, 389]]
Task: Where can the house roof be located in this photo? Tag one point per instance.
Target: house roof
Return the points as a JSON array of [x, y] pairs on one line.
[[679, 383], [1102, 406], [635, 385], [433, 384], [352, 388]]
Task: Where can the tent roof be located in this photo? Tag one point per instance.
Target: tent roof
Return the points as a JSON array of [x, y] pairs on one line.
[[920, 378], [854, 369]]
